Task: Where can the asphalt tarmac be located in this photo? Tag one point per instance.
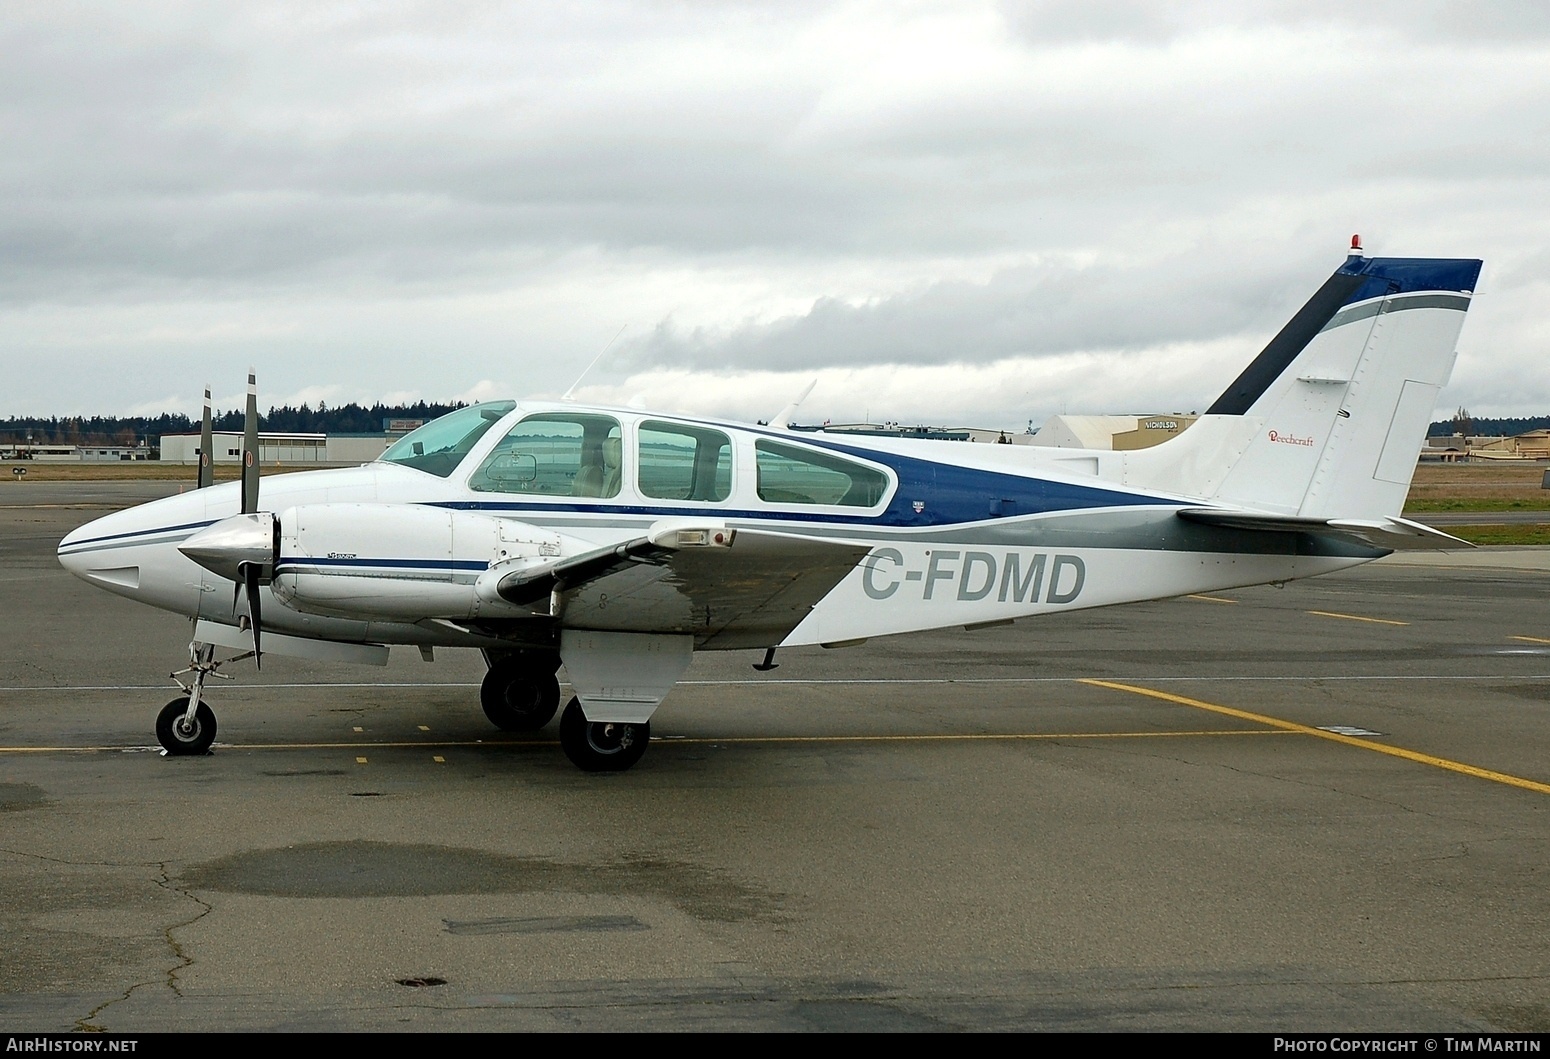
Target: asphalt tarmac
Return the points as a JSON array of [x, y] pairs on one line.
[[1321, 807]]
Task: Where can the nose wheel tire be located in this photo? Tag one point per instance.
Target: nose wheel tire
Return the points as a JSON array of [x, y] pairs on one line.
[[601, 746], [517, 699], [179, 735]]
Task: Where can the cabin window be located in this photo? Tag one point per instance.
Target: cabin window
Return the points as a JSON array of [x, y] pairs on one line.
[[555, 454], [791, 475], [679, 462], [440, 445]]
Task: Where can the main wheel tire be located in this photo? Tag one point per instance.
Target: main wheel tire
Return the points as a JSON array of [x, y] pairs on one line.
[[601, 746], [519, 699], [179, 736]]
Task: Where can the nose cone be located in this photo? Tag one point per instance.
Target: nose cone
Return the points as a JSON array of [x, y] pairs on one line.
[[134, 552], [98, 552]]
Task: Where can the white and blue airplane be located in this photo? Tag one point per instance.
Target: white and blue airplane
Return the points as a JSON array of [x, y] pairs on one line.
[[617, 542]]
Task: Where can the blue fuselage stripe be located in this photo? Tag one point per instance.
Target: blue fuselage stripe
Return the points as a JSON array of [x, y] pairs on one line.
[[400, 564], [97, 542]]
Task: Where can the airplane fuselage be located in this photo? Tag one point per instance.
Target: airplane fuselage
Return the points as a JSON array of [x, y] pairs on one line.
[[616, 542], [957, 534]]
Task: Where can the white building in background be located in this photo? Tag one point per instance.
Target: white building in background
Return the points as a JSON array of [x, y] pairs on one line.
[[279, 449], [1120, 433], [74, 453]]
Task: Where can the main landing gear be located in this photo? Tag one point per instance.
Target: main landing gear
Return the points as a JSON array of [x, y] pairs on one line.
[[601, 746], [520, 693]]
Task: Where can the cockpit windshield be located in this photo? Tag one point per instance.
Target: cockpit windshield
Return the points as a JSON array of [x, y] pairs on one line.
[[440, 445]]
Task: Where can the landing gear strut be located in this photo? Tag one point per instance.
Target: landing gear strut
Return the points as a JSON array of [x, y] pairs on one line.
[[601, 746], [186, 725], [520, 693]]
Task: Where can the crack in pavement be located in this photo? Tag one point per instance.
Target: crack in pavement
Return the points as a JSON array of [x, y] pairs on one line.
[[88, 1022]]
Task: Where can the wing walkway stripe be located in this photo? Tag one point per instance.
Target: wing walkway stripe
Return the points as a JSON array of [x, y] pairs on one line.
[[1365, 744]]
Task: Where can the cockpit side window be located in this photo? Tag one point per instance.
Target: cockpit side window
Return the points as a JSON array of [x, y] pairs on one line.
[[681, 462], [440, 445], [555, 454], [791, 475]]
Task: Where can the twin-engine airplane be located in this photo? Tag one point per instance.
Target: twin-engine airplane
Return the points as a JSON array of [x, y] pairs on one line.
[[617, 542]]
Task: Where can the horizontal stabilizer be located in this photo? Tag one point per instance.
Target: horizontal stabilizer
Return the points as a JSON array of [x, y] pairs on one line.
[[1393, 534]]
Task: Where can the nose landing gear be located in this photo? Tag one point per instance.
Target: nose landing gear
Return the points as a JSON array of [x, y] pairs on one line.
[[180, 733], [186, 725]]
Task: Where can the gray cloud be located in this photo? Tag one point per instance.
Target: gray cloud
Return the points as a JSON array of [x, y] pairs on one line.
[[411, 190], [1020, 312], [1045, 22]]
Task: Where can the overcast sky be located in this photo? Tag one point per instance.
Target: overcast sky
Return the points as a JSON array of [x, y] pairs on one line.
[[958, 212]]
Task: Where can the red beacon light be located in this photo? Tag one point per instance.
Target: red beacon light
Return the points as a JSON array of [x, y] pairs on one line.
[[1356, 244]]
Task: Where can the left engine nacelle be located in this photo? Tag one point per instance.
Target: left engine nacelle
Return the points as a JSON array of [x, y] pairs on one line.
[[402, 562]]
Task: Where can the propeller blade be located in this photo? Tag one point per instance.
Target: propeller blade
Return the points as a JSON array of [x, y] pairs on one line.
[[250, 449], [247, 583], [250, 573], [206, 448]]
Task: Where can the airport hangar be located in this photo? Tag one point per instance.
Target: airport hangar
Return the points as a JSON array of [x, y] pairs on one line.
[[280, 448]]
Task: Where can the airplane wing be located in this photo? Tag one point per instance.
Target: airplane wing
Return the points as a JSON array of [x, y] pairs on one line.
[[749, 588], [1391, 534]]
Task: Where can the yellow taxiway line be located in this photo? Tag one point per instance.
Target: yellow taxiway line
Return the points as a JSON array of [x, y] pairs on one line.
[[1356, 617], [1348, 740], [943, 738], [480, 744]]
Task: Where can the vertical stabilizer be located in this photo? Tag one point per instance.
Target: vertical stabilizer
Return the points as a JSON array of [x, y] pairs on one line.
[[1328, 420]]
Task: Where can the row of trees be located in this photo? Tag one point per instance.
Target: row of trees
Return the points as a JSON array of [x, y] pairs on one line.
[[128, 430], [357, 419], [1466, 424]]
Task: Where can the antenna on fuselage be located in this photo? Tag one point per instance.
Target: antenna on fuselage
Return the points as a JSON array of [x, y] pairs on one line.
[[566, 396], [783, 420]]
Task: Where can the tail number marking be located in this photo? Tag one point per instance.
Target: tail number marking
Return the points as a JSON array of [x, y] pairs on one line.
[[1014, 577]]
